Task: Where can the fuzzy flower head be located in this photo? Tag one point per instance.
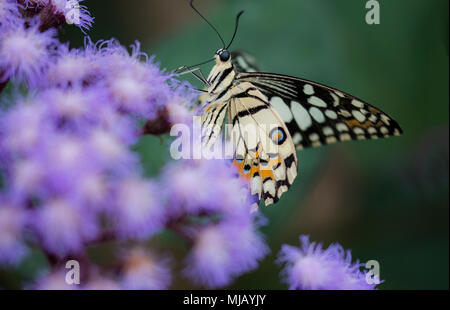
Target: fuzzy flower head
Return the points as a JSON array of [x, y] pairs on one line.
[[54, 280], [217, 258], [144, 271], [26, 52], [64, 226], [138, 212], [311, 267], [72, 67], [198, 186], [12, 224], [136, 84], [9, 15], [22, 127]]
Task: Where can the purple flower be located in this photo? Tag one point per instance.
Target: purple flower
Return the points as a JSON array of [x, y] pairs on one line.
[[127, 80], [144, 271], [74, 109], [138, 212], [197, 186], [210, 191], [180, 105], [9, 15], [26, 52], [73, 67], [224, 251], [133, 83], [54, 280], [313, 268], [63, 226], [12, 224], [21, 128]]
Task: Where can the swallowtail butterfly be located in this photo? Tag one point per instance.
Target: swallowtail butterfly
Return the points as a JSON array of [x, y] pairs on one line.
[[287, 114]]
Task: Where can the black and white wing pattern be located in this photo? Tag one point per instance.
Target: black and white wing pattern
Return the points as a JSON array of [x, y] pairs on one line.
[[244, 62], [316, 114], [264, 152]]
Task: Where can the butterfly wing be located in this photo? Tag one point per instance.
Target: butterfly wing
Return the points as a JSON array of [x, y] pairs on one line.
[[212, 123], [244, 62], [317, 115], [264, 152]]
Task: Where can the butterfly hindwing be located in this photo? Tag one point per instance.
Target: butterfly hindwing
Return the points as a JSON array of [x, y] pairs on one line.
[[264, 152], [212, 123]]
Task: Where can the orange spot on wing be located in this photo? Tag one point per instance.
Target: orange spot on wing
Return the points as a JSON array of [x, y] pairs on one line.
[[240, 168], [354, 123], [374, 111]]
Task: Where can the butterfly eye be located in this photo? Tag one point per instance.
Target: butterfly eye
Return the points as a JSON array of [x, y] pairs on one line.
[[224, 56]]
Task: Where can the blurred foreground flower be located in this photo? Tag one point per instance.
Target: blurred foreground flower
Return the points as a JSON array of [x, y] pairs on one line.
[[311, 267]]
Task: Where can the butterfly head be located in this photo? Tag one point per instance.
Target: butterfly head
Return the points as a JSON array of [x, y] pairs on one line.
[[222, 56]]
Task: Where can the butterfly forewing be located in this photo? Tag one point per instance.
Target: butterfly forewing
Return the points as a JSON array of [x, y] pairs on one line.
[[244, 62], [316, 114]]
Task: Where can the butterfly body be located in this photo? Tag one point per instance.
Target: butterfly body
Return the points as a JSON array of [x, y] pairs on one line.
[[272, 115]]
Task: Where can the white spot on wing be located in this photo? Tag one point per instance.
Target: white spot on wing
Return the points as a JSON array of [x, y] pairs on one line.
[[357, 103], [341, 127], [344, 113], [359, 116], [255, 184], [269, 187], [328, 131], [331, 114], [317, 102], [301, 116], [297, 138], [291, 173], [358, 131], [385, 119], [282, 109], [317, 114], [335, 100], [314, 137], [331, 140], [308, 89], [345, 137]]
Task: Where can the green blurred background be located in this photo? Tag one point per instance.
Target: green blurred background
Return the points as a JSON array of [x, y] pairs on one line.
[[386, 200]]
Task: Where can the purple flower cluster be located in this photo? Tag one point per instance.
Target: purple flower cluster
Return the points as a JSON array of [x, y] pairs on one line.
[[311, 267], [208, 189], [69, 178]]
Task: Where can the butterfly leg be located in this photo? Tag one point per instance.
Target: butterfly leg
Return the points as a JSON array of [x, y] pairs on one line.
[[200, 77]]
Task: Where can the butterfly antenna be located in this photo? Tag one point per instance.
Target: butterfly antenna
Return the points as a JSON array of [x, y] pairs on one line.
[[235, 28], [220, 37]]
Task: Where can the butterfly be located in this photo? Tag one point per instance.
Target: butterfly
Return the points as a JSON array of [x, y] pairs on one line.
[[271, 116]]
